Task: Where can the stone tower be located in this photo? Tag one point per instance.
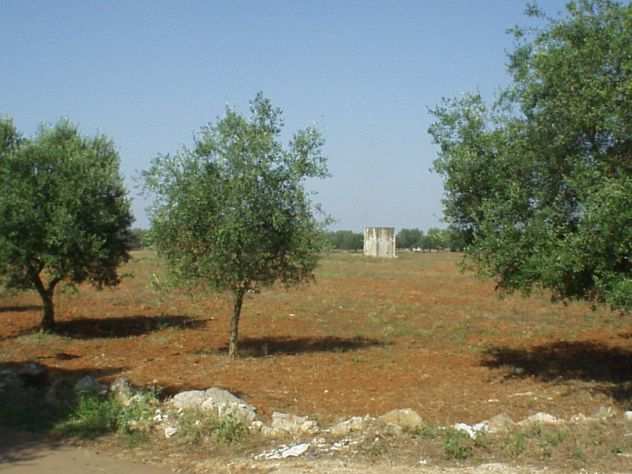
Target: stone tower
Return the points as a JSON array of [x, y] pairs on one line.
[[379, 242]]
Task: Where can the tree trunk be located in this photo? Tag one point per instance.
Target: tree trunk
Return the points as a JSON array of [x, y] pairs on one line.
[[48, 313], [233, 350]]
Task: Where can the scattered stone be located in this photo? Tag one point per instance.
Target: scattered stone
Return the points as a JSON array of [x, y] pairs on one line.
[[170, 431], [406, 418], [603, 413], [581, 418], [122, 390], [542, 418], [353, 424], [287, 424], [89, 384], [499, 423], [189, 400], [472, 430], [221, 402], [627, 423], [284, 452], [256, 426], [224, 403]]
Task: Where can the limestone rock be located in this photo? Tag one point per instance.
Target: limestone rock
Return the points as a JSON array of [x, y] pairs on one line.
[[540, 417], [627, 423], [353, 424], [189, 400], [122, 390], [405, 418], [603, 413], [287, 424], [221, 402], [499, 423], [170, 431]]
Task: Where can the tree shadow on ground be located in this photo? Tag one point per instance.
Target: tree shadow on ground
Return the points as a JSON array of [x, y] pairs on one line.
[[609, 368], [125, 326], [20, 309], [28, 413], [18, 447], [264, 346]]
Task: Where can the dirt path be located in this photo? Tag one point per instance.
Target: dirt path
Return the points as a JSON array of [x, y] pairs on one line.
[[23, 453], [47, 458]]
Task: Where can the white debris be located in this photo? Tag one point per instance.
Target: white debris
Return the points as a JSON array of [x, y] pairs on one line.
[[170, 431], [284, 451], [472, 430]]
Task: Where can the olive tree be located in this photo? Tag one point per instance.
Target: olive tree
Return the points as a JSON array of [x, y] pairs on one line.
[[64, 212], [540, 182], [231, 213]]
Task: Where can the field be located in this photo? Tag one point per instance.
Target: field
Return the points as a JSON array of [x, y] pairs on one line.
[[369, 336]]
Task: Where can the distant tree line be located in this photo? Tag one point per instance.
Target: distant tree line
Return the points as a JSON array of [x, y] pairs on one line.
[[345, 240], [433, 239]]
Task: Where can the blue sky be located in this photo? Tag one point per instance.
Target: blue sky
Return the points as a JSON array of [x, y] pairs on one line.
[[149, 74]]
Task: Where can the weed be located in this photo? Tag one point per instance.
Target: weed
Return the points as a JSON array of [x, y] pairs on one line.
[[196, 426], [92, 416], [457, 445], [427, 432], [516, 444]]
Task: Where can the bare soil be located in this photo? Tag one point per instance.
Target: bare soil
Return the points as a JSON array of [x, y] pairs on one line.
[[369, 336]]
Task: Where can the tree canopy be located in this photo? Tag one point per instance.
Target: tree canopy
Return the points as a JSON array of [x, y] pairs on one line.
[[64, 212], [540, 181], [232, 212]]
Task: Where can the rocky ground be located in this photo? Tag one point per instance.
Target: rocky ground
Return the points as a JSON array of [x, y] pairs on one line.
[[196, 431]]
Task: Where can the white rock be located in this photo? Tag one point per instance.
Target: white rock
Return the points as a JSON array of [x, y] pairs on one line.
[[353, 424], [224, 403], [627, 423], [170, 431], [191, 399], [540, 417], [219, 401], [285, 423], [499, 423], [604, 413]]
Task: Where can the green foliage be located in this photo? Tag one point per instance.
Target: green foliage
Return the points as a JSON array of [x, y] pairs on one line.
[[196, 426], [65, 215], [409, 238], [93, 416], [232, 213], [539, 183], [457, 445], [345, 240], [139, 239]]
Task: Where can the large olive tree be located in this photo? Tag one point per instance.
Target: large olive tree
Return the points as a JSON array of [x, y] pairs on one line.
[[64, 212], [232, 213], [540, 182]]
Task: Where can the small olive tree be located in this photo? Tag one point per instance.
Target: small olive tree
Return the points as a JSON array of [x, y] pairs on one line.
[[64, 212], [232, 213]]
